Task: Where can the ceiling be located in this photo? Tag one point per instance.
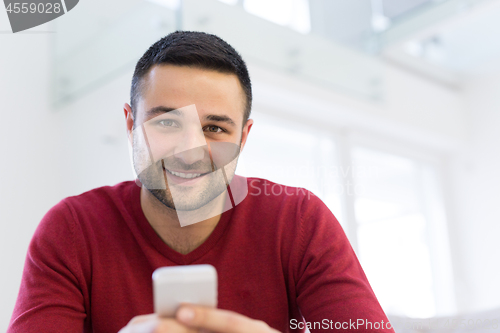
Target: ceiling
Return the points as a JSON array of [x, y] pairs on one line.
[[395, 9], [461, 45], [446, 40]]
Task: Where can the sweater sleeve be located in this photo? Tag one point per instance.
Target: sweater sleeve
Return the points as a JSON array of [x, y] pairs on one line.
[[331, 287], [51, 297]]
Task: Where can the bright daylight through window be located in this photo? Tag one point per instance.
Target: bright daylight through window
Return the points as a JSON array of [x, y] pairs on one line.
[[399, 221]]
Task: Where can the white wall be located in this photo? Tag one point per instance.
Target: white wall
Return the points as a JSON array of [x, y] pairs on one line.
[[48, 154], [29, 142], [94, 151]]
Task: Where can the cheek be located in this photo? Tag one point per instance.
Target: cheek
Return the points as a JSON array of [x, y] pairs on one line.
[[161, 146], [141, 158], [150, 148]]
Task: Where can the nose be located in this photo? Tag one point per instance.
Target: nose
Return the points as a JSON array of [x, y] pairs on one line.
[[192, 146], [192, 155]]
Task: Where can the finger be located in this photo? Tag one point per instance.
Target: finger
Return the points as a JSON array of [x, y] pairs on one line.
[[153, 324], [173, 326], [221, 321], [141, 324], [143, 318]]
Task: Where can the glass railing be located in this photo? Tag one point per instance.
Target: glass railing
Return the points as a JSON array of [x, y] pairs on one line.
[[116, 34], [92, 48]]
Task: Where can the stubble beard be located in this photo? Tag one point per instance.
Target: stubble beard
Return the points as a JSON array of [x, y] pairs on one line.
[[187, 198]]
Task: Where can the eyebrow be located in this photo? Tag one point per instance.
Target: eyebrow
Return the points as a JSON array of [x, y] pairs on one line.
[[157, 110], [220, 118]]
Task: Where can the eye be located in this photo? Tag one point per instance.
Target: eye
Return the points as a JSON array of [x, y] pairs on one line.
[[167, 123], [214, 129]]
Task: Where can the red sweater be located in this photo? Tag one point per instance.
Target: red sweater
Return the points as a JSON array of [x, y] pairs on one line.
[[279, 256]]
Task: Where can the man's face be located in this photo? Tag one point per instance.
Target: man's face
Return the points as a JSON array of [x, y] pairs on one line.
[[187, 133]]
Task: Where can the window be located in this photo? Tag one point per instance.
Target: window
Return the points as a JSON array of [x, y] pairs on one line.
[[395, 205], [294, 155], [397, 223]]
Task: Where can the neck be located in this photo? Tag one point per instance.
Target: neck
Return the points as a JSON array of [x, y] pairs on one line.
[[165, 221]]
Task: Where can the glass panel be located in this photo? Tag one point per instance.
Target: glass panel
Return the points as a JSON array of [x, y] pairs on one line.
[[118, 33], [114, 38], [308, 56], [291, 13]]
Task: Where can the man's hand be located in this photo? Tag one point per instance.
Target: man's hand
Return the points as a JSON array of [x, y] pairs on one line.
[[194, 319]]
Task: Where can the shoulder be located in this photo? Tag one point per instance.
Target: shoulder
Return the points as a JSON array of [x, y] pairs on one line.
[[287, 203], [103, 202], [265, 192], [287, 206], [292, 216], [98, 203], [101, 195]]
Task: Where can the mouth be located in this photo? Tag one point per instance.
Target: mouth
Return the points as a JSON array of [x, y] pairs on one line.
[[185, 176]]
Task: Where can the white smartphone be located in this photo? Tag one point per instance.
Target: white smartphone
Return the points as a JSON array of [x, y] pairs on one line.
[[172, 286]]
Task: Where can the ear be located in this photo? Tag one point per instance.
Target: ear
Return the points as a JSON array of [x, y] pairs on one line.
[[244, 133], [129, 119]]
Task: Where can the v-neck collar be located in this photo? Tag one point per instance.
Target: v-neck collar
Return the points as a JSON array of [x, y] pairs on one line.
[[154, 239]]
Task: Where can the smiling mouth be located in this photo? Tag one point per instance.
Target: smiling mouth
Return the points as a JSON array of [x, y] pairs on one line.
[[186, 175]]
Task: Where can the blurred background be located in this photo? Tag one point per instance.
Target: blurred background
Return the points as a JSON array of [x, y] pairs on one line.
[[388, 110]]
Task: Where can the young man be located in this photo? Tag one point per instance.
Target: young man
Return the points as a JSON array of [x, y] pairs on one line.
[[283, 261]]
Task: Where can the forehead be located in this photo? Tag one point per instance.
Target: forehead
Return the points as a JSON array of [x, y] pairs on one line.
[[179, 86]]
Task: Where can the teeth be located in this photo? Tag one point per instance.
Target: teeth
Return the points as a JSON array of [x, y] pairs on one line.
[[185, 175]]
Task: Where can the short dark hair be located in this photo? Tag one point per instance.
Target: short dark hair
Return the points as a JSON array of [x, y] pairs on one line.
[[193, 49]]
